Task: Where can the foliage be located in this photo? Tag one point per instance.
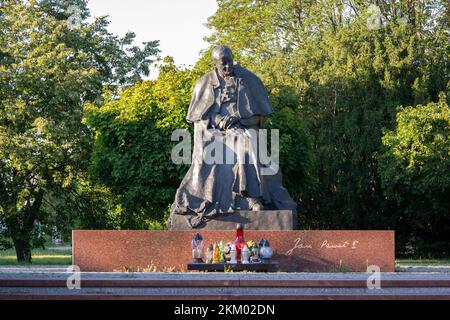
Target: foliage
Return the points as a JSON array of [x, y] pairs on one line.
[[296, 157], [132, 150], [4, 243], [83, 205], [414, 167]]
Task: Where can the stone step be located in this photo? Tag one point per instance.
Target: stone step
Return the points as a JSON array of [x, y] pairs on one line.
[[187, 283], [51, 283], [222, 293]]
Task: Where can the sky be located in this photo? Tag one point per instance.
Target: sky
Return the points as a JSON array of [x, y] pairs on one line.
[[177, 24]]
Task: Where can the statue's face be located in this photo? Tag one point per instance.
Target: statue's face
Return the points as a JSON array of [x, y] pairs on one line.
[[224, 65]]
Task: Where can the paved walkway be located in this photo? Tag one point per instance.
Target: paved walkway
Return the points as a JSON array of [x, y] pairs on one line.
[[227, 293], [50, 282], [413, 269]]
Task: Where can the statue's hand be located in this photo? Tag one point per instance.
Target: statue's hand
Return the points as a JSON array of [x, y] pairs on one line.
[[229, 122]]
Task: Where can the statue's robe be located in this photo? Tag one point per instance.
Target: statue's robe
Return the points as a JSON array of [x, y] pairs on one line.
[[210, 188], [252, 96]]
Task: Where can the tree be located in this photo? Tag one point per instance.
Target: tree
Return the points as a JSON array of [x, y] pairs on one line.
[[296, 151], [49, 69], [132, 150], [414, 167]]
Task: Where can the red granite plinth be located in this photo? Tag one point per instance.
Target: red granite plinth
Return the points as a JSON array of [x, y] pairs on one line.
[[295, 251]]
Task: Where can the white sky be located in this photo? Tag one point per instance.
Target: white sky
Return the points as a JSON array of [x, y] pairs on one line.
[[178, 24]]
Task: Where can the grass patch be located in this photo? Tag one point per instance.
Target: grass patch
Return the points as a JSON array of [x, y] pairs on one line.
[[38, 257]]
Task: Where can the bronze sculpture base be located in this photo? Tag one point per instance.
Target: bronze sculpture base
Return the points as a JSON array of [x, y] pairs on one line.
[[252, 220]]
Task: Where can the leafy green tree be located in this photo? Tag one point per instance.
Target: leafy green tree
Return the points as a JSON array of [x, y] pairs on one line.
[[132, 150], [49, 68], [296, 157], [83, 205], [414, 167]]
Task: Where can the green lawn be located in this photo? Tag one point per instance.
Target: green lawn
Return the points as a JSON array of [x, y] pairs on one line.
[[38, 257]]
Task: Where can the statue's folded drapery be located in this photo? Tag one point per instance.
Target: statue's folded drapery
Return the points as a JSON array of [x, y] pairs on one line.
[[210, 188]]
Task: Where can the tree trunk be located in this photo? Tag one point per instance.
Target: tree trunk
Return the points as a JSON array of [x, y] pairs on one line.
[[22, 234], [23, 250]]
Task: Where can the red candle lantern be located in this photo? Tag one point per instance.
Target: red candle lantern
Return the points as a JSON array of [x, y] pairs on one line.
[[239, 242]]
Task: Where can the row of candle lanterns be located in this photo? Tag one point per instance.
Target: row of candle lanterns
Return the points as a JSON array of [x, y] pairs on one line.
[[232, 252]]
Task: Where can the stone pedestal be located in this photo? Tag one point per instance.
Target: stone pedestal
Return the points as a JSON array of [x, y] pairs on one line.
[[294, 250], [252, 220]]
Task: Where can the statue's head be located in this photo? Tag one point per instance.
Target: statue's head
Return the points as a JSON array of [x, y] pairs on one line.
[[223, 60]]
